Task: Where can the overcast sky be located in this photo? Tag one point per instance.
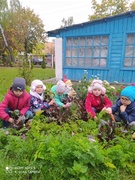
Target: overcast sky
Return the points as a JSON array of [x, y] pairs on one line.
[[53, 11]]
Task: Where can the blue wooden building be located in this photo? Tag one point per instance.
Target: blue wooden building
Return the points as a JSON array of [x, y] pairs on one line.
[[104, 47]]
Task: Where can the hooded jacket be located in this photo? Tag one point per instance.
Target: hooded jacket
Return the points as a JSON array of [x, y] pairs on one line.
[[95, 102], [13, 102], [128, 115], [58, 98]]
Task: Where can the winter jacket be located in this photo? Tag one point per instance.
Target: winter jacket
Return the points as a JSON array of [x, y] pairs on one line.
[[95, 102], [37, 103], [13, 102], [58, 98], [128, 115]]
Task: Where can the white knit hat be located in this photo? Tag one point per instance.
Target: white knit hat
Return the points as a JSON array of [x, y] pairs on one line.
[[35, 83], [97, 84], [60, 87]]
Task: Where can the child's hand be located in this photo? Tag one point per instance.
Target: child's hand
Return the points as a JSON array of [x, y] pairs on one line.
[[122, 108], [108, 110], [95, 118], [51, 102], [11, 120], [67, 105], [103, 109]]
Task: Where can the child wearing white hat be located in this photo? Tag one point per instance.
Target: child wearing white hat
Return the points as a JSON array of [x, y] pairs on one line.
[[37, 102], [96, 99]]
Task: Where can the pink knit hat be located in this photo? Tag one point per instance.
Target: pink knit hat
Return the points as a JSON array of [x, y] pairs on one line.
[[97, 84], [60, 87]]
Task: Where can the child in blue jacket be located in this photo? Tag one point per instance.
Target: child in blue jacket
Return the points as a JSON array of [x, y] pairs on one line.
[[124, 109]]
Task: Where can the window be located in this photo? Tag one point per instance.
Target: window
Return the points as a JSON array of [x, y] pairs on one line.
[[129, 60], [90, 51]]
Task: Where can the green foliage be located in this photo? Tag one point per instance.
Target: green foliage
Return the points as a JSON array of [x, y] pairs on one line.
[[108, 8], [6, 78], [25, 71], [43, 65], [82, 87], [71, 150], [62, 152]]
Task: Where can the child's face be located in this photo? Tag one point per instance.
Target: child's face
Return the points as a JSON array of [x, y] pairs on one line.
[[125, 101], [96, 92], [39, 89], [17, 92], [60, 93]]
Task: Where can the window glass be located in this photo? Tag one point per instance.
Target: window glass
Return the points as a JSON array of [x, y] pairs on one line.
[[130, 39], [103, 62], [68, 62], [130, 51], [88, 62], [75, 42], [104, 51], [74, 61], [105, 40], [68, 52], [74, 52], [96, 51], [90, 51], [89, 41], [68, 42], [82, 41], [96, 40], [95, 62], [81, 62], [128, 62], [81, 51]]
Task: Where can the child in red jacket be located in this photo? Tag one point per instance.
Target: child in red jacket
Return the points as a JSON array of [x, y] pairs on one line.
[[16, 98], [96, 99]]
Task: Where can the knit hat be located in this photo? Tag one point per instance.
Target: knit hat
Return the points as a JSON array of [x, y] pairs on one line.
[[60, 87], [19, 84], [97, 84], [35, 83], [69, 83], [129, 92]]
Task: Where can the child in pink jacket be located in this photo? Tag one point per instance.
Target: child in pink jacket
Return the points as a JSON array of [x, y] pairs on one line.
[[16, 98], [96, 99]]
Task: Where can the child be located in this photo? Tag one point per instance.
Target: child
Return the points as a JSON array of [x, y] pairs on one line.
[[16, 98], [60, 91], [124, 109], [71, 93], [37, 101], [96, 99]]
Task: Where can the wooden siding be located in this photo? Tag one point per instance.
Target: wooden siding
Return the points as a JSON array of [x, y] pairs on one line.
[[116, 28]]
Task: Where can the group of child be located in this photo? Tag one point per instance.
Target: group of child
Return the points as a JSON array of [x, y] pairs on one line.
[[30, 103]]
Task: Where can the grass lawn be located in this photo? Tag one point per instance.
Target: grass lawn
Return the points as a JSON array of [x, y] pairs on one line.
[[7, 74]]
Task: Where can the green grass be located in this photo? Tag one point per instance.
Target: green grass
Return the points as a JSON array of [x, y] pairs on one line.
[[7, 74]]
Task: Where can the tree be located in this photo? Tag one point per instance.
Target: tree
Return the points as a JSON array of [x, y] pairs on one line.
[[23, 28], [132, 5], [28, 30], [67, 22], [108, 8]]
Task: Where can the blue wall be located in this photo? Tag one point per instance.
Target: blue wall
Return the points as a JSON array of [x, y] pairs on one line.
[[117, 28]]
